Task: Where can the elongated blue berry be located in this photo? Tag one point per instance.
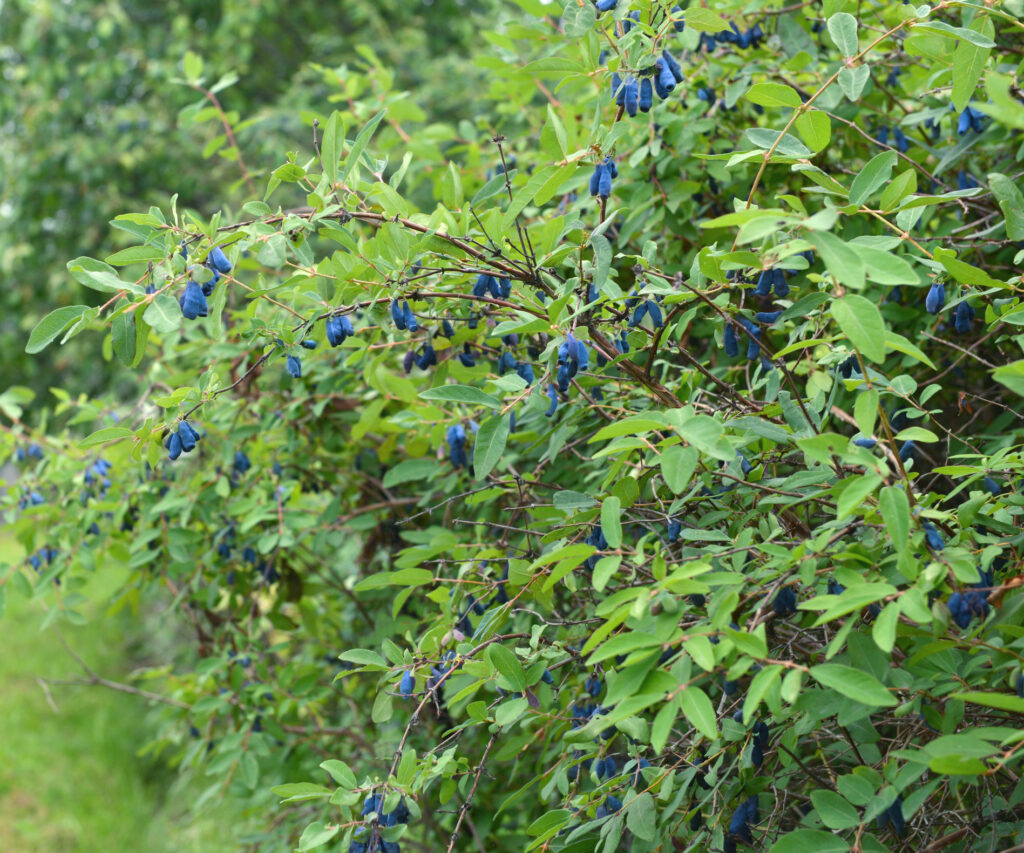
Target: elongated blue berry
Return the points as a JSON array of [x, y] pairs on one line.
[[595, 179], [207, 286], [294, 365], [409, 317], [616, 86], [193, 302], [631, 97], [674, 66], [338, 329], [407, 684], [447, 330], [931, 536], [218, 260], [308, 344], [865, 442], [654, 312], [187, 436], [428, 357], [638, 314], [174, 446], [397, 315], [664, 80], [779, 283], [646, 95], [935, 299], [553, 396], [963, 317], [730, 343], [753, 350]]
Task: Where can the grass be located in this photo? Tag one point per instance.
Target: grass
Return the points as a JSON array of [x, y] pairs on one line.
[[72, 781]]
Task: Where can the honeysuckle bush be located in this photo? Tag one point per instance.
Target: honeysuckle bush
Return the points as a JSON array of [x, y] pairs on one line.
[[493, 514]]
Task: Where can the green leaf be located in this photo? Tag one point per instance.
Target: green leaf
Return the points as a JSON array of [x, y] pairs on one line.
[[635, 425], [842, 27], [677, 466], [703, 20], [104, 435], [788, 145], [611, 524], [854, 684], [122, 337], [99, 276], [1011, 202], [697, 708], [899, 188], [489, 445], [569, 501], [865, 411], [403, 577], [364, 657], [192, 65], [883, 629], [52, 325], [331, 146], [895, 510], [524, 196], [835, 812], [461, 394], [815, 128], [340, 772], [962, 33], [316, 835], [877, 171], [508, 665], [362, 140], [773, 95], [409, 471], [968, 63], [1002, 701], [852, 81], [1012, 376], [641, 817], [901, 344], [840, 258], [294, 792], [136, 255], [163, 314], [578, 18], [861, 322], [804, 840]]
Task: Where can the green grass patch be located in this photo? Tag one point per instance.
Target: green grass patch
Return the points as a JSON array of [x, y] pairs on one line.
[[72, 780]]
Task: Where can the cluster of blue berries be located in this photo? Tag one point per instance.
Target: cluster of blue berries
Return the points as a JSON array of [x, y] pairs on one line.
[[964, 606], [193, 301], [403, 317], [745, 39], [456, 438], [34, 451], [601, 179], [182, 440], [367, 839], [498, 288]]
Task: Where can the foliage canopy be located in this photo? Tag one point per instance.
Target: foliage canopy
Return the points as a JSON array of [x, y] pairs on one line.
[[582, 476]]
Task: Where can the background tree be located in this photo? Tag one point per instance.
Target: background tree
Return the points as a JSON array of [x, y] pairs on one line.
[[635, 467]]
